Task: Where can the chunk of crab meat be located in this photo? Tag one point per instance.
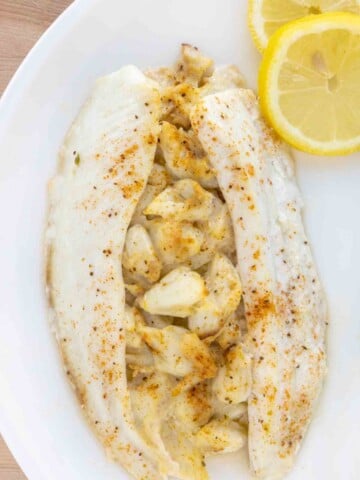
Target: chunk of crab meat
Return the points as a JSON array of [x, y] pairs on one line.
[[218, 229], [218, 236], [223, 78], [192, 66], [177, 294], [178, 352], [175, 242], [207, 320], [220, 436], [231, 333], [140, 360], [132, 321], [203, 360], [185, 200], [233, 382], [139, 255], [181, 447], [165, 345], [224, 283], [224, 287], [158, 180], [177, 102], [150, 411], [184, 155], [159, 177], [193, 408], [134, 281]]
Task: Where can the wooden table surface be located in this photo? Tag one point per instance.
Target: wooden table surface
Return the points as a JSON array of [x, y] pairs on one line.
[[21, 24]]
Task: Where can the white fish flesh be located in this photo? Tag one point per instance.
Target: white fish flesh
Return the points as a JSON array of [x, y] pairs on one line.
[[284, 303], [104, 165]]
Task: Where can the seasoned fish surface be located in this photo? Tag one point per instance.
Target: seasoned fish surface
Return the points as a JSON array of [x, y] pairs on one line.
[[174, 215], [104, 165], [284, 302]]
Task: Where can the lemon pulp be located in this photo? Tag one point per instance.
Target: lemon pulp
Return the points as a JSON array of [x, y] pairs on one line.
[[309, 83], [267, 16]]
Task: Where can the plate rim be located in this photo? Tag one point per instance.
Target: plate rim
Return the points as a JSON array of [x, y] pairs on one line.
[[10, 103], [56, 30]]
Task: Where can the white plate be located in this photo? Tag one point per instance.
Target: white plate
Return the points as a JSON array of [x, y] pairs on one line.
[[39, 414]]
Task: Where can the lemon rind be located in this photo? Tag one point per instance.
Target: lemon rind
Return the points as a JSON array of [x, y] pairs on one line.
[[256, 22], [259, 40], [268, 74]]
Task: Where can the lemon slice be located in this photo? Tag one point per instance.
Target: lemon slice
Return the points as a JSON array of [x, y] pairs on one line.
[[266, 16], [309, 83]]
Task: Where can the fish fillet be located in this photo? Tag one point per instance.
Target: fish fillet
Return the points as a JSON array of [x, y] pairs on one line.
[[104, 165], [284, 303]]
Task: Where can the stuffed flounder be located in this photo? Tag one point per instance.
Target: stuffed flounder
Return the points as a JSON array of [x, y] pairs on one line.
[[184, 294]]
